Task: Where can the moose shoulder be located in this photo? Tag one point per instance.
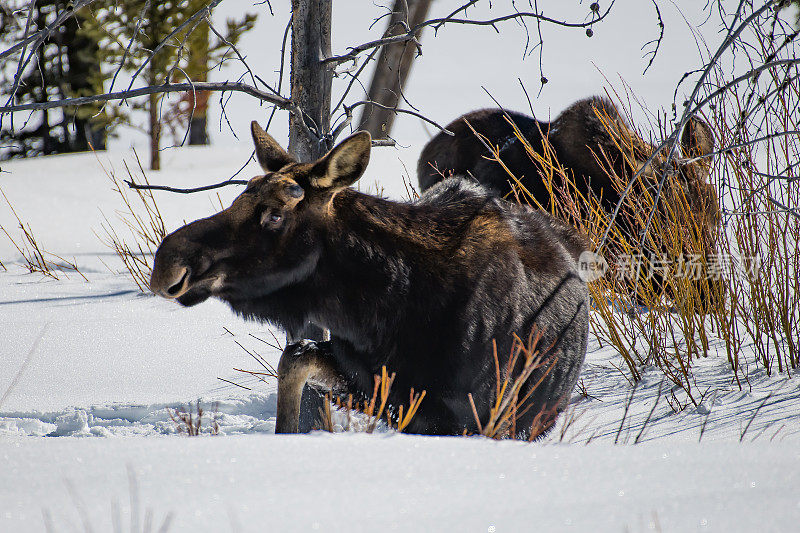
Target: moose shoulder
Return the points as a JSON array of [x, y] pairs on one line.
[[424, 288]]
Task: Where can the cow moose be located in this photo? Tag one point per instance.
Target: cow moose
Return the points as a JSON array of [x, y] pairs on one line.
[[593, 142], [424, 288]]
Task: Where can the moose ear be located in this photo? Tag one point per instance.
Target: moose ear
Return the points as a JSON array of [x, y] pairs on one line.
[[270, 155], [697, 138], [343, 165]]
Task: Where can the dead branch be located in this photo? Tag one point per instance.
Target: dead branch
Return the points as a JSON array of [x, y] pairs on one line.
[[191, 190], [276, 100], [410, 36], [349, 110], [670, 144], [42, 34], [654, 52]]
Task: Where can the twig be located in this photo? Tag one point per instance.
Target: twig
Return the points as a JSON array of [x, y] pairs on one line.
[[279, 101], [46, 31], [397, 110], [410, 35], [204, 12], [744, 432], [653, 53], [191, 190], [233, 383]]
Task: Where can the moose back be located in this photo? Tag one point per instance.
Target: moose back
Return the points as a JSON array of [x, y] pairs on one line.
[[598, 151]]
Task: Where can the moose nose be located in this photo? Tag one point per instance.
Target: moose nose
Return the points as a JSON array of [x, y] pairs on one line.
[[179, 286]]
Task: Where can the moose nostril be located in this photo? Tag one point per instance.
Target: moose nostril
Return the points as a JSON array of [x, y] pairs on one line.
[[177, 288]]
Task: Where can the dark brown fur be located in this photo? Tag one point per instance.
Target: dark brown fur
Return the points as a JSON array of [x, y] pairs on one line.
[[423, 288], [586, 140]]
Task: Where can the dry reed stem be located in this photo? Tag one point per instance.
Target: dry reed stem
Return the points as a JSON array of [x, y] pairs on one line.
[[508, 406], [145, 225], [375, 409], [32, 254]]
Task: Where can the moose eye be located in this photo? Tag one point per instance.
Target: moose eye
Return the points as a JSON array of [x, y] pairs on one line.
[[272, 218]]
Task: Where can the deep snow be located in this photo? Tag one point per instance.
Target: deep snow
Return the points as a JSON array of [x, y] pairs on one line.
[[110, 362], [359, 482]]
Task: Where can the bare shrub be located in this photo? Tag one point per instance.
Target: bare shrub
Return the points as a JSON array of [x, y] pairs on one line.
[[513, 391], [145, 227], [34, 257], [358, 416], [739, 283], [759, 181], [371, 412], [659, 337], [189, 420]]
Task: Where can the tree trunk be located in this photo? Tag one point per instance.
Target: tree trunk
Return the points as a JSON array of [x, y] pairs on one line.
[[154, 69], [391, 72], [198, 131], [310, 79], [197, 69], [49, 142], [311, 91], [155, 132], [90, 133]]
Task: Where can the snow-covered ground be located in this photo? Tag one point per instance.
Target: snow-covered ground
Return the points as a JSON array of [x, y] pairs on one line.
[[359, 482], [100, 359], [91, 370]]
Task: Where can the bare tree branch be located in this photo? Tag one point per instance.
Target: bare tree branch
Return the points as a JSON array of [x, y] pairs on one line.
[[349, 109], [283, 64], [671, 142], [44, 32], [279, 101], [179, 190], [201, 13], [654, 52], [411, 34]]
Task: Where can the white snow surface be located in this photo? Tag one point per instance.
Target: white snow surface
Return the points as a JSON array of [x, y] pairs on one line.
[[359, 482], [86, 434], [91, 370]]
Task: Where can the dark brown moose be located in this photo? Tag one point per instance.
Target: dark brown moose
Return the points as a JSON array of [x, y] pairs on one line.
[[424, 288], [593, 142]]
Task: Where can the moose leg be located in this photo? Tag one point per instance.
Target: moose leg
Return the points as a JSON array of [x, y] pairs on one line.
[[312, 405], [301, 362]]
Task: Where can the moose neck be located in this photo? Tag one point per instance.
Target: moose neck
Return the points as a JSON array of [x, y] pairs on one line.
[[371, 247], [369, 251]]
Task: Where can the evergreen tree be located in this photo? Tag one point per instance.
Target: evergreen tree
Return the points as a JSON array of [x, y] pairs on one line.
[[204, 54], [129, 33], [61, 68]]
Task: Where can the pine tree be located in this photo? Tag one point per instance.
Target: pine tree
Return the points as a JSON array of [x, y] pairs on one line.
[[203, 55], [62, 67], [129, 32]]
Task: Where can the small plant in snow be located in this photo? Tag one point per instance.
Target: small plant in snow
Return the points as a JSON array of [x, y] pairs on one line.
[[36, 259], [145, 226], [190, 420], [513, 392]]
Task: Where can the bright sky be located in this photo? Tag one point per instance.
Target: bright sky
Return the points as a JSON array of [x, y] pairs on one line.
[[447, 80]]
